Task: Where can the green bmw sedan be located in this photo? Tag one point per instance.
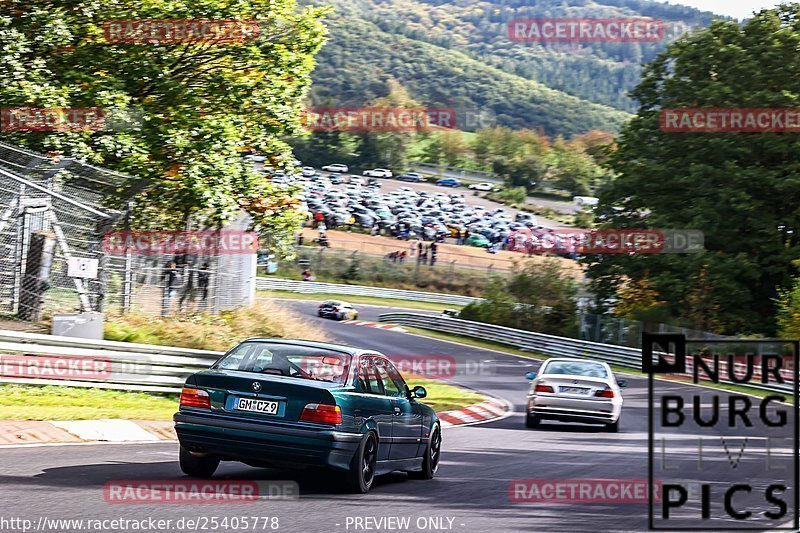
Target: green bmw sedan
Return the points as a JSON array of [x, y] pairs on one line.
[[296, 404]]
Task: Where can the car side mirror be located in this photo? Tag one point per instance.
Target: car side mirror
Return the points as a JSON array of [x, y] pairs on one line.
[[622, 383], [530, 375], [419, 392]]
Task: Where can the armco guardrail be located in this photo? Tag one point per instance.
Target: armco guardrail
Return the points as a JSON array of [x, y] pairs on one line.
[[313, 287], [541, 343], [67, 361]]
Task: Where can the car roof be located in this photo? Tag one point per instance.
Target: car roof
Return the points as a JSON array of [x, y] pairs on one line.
[[575, 360], [352, 350]]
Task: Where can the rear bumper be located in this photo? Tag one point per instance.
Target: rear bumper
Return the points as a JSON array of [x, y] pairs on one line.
[[575, 410], [281, 446]]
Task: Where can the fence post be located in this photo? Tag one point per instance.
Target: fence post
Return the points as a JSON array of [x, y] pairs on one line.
[[36, 275]]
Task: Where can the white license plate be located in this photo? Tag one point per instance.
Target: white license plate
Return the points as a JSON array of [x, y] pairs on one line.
[[573, 390], [267, 407]]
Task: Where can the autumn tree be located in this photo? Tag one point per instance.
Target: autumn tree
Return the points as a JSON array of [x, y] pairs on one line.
[[192, 107]]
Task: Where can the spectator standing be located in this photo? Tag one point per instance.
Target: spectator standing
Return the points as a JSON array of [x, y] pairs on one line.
[[203, 278], [172, 280], [189, 291]]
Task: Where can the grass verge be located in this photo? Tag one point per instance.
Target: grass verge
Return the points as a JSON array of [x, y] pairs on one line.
[[212, 332], [443, 396], [51, 402], [366, 300], [616, 368]]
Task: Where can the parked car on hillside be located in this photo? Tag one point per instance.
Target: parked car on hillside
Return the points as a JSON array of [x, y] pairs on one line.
[[378, 173], [336, 168], [410, 176], [448, 182], [476, 239], [486, 186]]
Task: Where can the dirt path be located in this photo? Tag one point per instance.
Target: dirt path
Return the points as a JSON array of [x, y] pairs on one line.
[[465, 256]]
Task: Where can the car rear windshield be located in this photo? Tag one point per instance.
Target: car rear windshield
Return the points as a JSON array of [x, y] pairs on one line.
[[576, 368], [304, 362]]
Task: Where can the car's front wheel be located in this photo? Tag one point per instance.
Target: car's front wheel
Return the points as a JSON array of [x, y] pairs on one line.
[[202, 466], [532, 421], [362, 468], [430, 462]]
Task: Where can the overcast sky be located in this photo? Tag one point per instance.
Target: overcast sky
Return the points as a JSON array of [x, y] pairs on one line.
[[733, 8]]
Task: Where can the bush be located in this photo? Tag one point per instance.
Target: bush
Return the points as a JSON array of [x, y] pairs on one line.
[[538, 297], [513, 195], [211, 332]]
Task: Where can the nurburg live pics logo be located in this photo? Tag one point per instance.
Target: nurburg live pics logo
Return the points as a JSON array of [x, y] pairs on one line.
[[722, 460]]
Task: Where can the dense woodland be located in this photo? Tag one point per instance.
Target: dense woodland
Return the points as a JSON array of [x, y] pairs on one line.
[[457, 54]]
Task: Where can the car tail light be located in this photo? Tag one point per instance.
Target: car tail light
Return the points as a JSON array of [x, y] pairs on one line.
[[195, 398], [543, 388], [322, 413], [605, 393]]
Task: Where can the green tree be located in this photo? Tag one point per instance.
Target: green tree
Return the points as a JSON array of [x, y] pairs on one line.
[[388, 149], [536, 297], [740, 189], [196, 106], [788, 304]]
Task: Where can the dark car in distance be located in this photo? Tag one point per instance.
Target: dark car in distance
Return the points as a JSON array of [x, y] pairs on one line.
[[410, 176], [277, 403], [337, 309]]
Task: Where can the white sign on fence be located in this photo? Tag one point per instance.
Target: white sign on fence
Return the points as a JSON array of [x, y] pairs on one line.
[[82, 267]]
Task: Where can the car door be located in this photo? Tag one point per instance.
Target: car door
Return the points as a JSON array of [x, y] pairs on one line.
[[373, 404], [407, 424]]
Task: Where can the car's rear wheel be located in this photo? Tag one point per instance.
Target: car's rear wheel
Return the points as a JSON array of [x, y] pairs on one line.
[[613, 427], [430, 462], [532, 421], [202, 466], [362, 468]]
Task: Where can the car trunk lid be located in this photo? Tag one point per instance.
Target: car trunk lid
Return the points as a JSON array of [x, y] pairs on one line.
[[575, 386], [263, 396]]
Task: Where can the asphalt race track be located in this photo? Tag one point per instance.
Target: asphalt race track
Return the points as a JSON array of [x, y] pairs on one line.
[[470, 491]]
